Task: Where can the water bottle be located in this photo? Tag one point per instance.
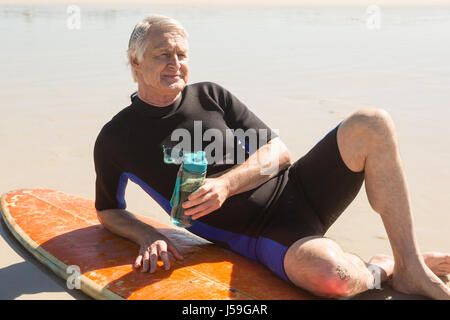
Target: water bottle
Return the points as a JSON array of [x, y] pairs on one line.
[[190, 177]]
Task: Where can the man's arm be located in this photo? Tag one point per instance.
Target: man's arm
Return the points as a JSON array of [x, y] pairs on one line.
[[261, 166], [152, 243]]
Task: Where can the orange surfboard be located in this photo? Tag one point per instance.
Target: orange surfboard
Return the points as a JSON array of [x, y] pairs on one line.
[[62, 231]]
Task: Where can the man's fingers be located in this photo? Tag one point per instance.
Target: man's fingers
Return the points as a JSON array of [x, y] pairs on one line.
[[145, 263], [153, 258], [207, 209], [204, 212], [140, 257], [196, 201], [148, 256], [138, 261], [165, 258], [198, 193], [174, 251], [162, 250], [201, 207]]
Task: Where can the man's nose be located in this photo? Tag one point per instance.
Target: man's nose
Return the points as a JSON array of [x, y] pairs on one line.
[[174, 61]]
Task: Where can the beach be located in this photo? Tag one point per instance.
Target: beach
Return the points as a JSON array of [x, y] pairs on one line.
[[237, 3], [301, 68]]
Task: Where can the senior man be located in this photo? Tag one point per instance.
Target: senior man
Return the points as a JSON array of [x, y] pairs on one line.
[[278, 219]]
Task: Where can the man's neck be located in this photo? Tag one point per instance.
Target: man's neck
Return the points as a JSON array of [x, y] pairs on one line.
[[157, 100]]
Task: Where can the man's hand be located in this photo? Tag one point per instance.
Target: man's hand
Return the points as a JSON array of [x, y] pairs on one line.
[[151, 249], [262, 165], [152, 243], [208, 198]]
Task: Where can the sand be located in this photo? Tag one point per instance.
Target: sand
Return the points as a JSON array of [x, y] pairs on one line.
[[301, 70], [240, 3]]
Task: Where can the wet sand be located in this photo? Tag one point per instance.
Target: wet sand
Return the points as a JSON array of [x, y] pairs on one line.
[[302, 70]]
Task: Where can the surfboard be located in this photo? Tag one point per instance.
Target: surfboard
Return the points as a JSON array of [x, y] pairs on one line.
[[62, 231]]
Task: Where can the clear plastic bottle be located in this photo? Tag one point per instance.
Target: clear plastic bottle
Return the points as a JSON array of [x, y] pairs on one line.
[[190, 177]]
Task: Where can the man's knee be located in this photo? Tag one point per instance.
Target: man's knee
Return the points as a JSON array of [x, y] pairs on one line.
[[372, 124], [315, 264], [364, 132]]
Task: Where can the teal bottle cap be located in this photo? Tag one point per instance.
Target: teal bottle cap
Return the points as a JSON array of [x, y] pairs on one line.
[[195, 162]]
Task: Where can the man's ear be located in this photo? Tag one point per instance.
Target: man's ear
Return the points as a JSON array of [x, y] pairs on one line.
[[134, 63]]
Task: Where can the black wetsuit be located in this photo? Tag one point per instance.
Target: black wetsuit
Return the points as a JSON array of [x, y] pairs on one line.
[[262, 223]]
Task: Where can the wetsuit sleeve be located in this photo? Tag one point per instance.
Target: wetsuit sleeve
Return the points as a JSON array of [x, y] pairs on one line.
[[108, 170], [239, 116]]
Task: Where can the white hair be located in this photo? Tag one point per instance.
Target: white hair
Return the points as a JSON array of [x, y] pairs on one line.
[[139, 39]]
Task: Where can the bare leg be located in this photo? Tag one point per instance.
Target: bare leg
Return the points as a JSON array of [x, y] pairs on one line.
[[367, 141], [320, 266]]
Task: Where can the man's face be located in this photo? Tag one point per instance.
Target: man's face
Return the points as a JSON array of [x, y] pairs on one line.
[[164, 69]]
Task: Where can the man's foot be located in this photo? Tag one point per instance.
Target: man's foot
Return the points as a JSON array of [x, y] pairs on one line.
[[439, 263], [386, 263], [419, 279]]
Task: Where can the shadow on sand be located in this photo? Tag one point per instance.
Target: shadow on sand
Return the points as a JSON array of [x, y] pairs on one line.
[[29, 276]]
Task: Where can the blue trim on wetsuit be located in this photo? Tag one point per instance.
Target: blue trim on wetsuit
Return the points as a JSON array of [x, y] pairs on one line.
[[334, 128], [120, 195], [266, 251], [271, 254]]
